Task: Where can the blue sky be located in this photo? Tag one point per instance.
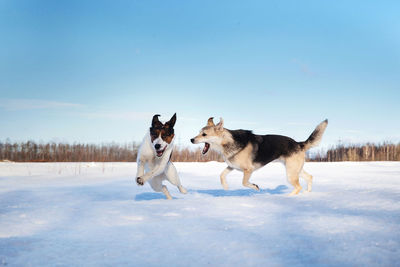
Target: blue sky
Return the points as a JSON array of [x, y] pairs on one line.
[[96, 71]]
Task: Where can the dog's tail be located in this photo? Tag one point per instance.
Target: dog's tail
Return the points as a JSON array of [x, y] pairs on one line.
[[316, 136]]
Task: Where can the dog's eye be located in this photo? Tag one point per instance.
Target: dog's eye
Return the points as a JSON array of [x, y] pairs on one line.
[[153, 131], [204, 134]]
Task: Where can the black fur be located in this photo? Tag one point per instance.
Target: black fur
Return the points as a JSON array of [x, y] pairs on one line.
[[266, 148], [241, 137], [172, 121], [271, 147], [156, 125], [155, 122]]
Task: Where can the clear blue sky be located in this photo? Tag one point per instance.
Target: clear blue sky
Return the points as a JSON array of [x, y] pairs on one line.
[[96, 71]]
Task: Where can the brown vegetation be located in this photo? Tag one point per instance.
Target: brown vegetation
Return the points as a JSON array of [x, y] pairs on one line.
[[61, 152], [64, 152], [366, 152], [189, 155]]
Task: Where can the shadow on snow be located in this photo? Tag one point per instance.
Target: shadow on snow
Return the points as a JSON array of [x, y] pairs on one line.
[[149, 196], [279, 190]]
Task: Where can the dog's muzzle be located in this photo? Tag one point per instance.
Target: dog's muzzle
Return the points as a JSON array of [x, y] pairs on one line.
[[206, 148], [160, 152]]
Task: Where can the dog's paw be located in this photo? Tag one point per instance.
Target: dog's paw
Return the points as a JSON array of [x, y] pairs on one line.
[[256, 187], [139, 181], [182, 190], [225, 186]]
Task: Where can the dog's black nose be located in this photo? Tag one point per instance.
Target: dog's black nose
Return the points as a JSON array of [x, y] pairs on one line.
[[157, 146], [192, 140]]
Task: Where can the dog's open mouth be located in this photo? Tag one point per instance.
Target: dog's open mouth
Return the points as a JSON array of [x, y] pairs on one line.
[[206, 147], [160, 152]]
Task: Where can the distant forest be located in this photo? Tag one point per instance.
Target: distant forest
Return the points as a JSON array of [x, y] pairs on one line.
[[63, 152], [365, 152]]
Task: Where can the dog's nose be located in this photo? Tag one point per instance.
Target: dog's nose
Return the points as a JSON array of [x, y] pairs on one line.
[[157, 146], [192, 140]]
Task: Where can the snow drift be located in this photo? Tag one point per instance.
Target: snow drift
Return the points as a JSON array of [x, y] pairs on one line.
[[93, 214]]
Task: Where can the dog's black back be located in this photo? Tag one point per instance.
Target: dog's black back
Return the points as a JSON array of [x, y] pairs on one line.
[[266, 148]]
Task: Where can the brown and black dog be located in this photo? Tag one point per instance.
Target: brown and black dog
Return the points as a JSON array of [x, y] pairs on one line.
[[247, 152]]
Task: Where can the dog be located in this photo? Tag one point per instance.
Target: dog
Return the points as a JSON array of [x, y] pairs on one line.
[[247, 152], [154, 157]]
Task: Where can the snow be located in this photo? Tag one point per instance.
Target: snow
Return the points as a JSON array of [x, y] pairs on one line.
[[93, 214]]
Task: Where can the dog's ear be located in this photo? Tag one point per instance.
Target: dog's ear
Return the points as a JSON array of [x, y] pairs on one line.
[[172, 121], [210, 122], [220, 125], [155, 121]]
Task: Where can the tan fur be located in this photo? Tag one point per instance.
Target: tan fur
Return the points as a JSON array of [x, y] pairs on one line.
[[241, 159], [236, 159], [321, 129], [223, 177], [294, 169], [210, 122], [294, 165], [308, 177]]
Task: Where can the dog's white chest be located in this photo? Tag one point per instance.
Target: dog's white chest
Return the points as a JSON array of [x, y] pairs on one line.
[[232, 164]]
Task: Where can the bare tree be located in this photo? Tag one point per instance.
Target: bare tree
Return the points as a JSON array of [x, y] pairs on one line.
[[64, 152]]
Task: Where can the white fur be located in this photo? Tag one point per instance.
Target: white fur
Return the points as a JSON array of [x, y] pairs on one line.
[[161, 142], [156, 169]]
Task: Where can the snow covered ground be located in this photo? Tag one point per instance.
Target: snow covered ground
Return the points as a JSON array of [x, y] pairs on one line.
[[93, 214]]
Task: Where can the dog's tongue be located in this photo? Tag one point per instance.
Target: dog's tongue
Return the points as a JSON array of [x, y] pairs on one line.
[[160, 152], [206, 147]]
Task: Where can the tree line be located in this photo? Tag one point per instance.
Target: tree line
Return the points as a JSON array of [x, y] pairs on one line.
[[63, 152], [365, 152], [31, 151]]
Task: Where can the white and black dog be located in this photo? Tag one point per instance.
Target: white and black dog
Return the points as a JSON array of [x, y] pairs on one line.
[[247, 152], [154, 156]]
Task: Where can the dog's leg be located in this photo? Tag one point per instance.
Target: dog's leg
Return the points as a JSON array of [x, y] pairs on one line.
[[157, 170], [294, 164], [223, 177], [294, 180], [182, 189], [166, 192], [156, 184], [246, 178], [308, 177], [292, 173], [139, 172], [173, 178]]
